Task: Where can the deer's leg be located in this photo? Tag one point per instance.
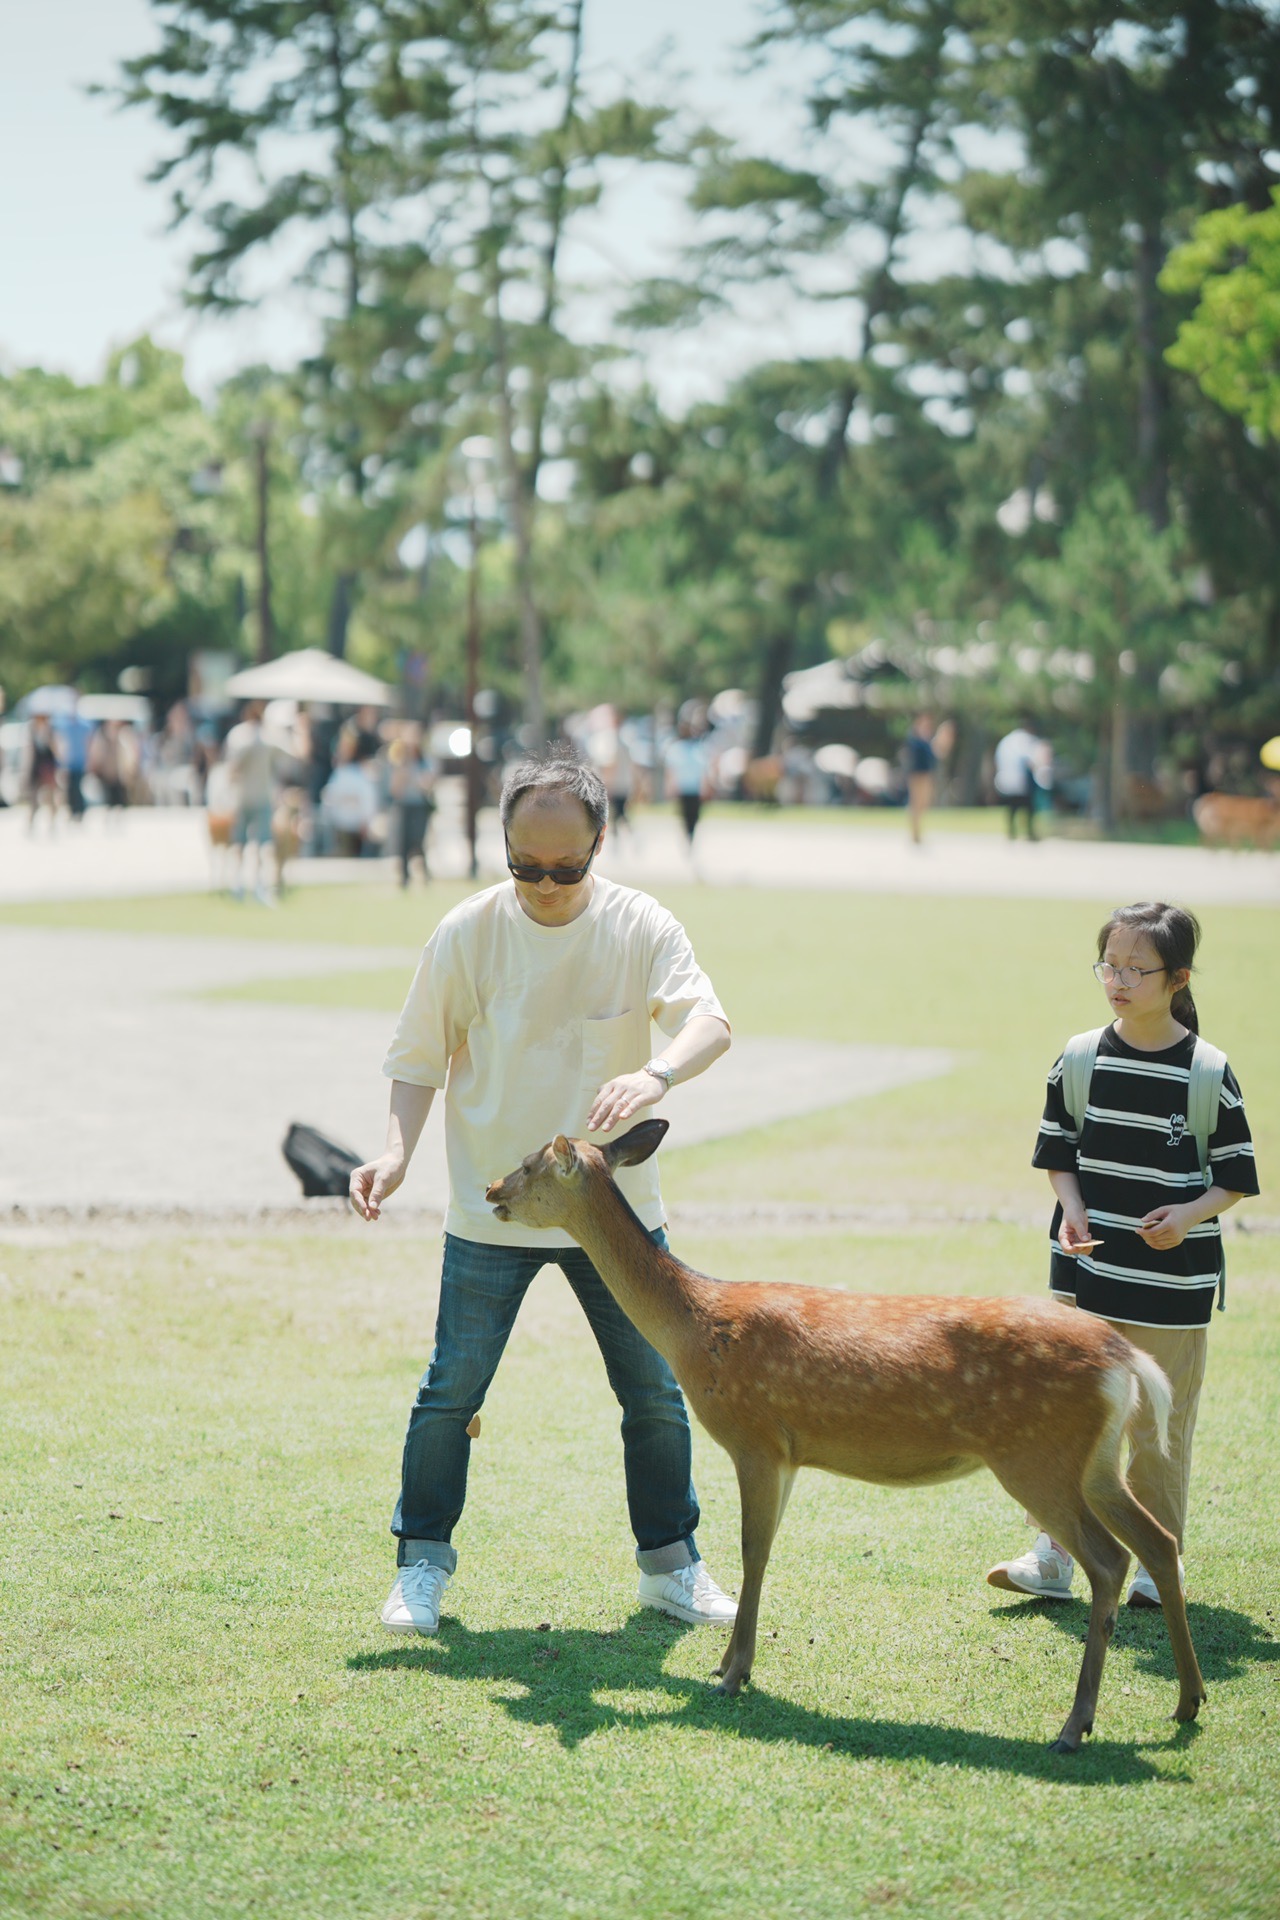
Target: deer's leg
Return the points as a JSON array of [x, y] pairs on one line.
[[763, 1483], [1053, 1494], [1105, 1563], [1158, 1552]]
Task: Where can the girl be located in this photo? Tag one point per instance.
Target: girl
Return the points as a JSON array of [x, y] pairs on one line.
[[1135, 1236]]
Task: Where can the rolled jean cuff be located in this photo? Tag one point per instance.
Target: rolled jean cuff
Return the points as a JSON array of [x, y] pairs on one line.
[[437, 1553], [670, 1559]]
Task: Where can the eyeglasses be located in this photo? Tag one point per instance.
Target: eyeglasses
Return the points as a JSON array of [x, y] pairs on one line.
[[1122, 976], [563, 876]]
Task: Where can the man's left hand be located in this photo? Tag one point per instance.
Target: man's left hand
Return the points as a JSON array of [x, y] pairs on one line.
[[618, 1099]]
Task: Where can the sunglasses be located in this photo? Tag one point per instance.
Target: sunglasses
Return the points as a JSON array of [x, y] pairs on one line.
[[562, 876]]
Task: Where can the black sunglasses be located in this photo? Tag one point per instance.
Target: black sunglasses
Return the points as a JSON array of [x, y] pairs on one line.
[[563, 876]]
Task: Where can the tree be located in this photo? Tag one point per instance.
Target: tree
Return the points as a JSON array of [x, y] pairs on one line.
[[276, 141], [1231, 343], [132, 526], [1113, 596], [102, 536]]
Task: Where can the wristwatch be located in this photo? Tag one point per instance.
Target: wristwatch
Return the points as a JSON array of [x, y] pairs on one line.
[[661, 1070]]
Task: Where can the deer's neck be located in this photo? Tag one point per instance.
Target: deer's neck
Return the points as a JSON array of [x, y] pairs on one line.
[[658, 1294]]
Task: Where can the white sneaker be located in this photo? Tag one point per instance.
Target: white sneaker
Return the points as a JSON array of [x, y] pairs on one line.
[[689, 1594], [1044, 1571], [413, 1605], [1142, 1591]]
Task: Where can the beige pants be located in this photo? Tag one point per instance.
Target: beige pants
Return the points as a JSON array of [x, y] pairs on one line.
[[1161, 1481]]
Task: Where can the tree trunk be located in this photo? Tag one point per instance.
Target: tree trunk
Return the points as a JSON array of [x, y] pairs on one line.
[[1143, 731], [518, 506], [345, 586], [341, 601], [773, 670], [266, 626]]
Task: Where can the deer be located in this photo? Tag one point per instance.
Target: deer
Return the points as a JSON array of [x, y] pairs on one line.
[[1237, 820], [898, 1390]]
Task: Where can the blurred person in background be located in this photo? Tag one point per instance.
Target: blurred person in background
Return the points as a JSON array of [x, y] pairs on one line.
[[348, 800], [73, 734], [113, 762], [686, 760], [175, 778], [411, 790], [42, 772], [1016, 757], [254, 763], [926, 744], [360, 734], [619, 775]]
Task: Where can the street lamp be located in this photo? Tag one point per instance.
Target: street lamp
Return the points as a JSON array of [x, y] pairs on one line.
[[477, 452]]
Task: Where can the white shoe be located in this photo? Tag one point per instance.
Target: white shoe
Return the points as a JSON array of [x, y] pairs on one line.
[[413, 1605], [1044, 1571], [1142, 1590], [689, 1594]]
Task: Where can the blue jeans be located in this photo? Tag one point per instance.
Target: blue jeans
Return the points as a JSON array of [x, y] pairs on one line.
[[481, 1288]]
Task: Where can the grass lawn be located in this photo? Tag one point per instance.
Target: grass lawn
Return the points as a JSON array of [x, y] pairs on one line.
[[199, 1443], [199, 1715]]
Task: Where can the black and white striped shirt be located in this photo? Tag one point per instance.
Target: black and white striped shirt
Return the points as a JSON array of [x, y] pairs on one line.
[[1134, 1153]]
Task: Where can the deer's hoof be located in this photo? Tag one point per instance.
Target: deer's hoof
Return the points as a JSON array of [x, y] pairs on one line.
[[1063, 1744], [1189, 1708], [730, 1685]]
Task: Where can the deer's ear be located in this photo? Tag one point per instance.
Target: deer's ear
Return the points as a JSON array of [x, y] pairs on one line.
[[636, 1145], [566, 1158]]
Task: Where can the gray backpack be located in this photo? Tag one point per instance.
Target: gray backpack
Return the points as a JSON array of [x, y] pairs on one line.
[[1204, 1086]]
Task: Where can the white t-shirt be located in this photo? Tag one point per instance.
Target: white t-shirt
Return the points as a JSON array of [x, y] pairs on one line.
[[686, 762], [1015, 759], [252, 760], [522, 1024]]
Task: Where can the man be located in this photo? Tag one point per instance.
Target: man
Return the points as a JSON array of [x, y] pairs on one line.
[[74, 733], [686, 760], [253, 762], [1015, 780], [531, 1008]]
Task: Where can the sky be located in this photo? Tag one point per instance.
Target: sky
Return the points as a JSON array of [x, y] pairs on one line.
[[86, 262]]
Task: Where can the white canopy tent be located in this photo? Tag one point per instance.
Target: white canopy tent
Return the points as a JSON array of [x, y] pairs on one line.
[[312, 675]]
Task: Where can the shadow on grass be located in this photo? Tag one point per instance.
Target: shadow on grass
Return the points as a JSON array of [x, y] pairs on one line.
[[1226, 1642], [562, 1674]]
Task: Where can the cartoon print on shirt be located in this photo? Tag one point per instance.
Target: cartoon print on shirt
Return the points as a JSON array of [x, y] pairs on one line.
[[1177, 1127]]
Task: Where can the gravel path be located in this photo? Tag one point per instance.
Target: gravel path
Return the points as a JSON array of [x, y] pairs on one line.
[[165, 851]]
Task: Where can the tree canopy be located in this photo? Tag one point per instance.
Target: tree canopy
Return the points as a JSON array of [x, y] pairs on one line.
[[1049, 235]]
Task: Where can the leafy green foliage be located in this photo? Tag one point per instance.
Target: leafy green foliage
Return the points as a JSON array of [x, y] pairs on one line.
[[1231, 343]]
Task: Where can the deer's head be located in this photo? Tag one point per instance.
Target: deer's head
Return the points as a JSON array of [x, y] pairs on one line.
[[543, 1188]]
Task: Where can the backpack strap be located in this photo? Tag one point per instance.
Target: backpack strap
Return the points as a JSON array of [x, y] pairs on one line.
[[1078, 1058], [1204, 1088]]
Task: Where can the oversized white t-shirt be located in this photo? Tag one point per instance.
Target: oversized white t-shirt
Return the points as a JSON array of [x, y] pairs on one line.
[[522, 1024]]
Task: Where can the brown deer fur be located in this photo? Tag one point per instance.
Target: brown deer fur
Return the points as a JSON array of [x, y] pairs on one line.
[[1237, 820], [900, 1391]]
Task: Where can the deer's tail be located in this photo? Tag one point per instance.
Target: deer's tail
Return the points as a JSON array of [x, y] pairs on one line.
[[1152, 1380]]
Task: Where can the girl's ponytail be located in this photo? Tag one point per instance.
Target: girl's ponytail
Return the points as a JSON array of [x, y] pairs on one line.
[[1183, 1008], [1175, 935]]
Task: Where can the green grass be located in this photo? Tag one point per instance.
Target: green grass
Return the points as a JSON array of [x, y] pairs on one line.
[[199, 1716], [199, 1441]]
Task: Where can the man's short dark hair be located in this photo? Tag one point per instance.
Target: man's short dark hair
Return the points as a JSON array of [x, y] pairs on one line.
[[546, 776]]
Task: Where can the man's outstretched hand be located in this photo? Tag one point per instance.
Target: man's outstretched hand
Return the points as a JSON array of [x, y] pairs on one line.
[[373, 1183], [618, 1099]]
